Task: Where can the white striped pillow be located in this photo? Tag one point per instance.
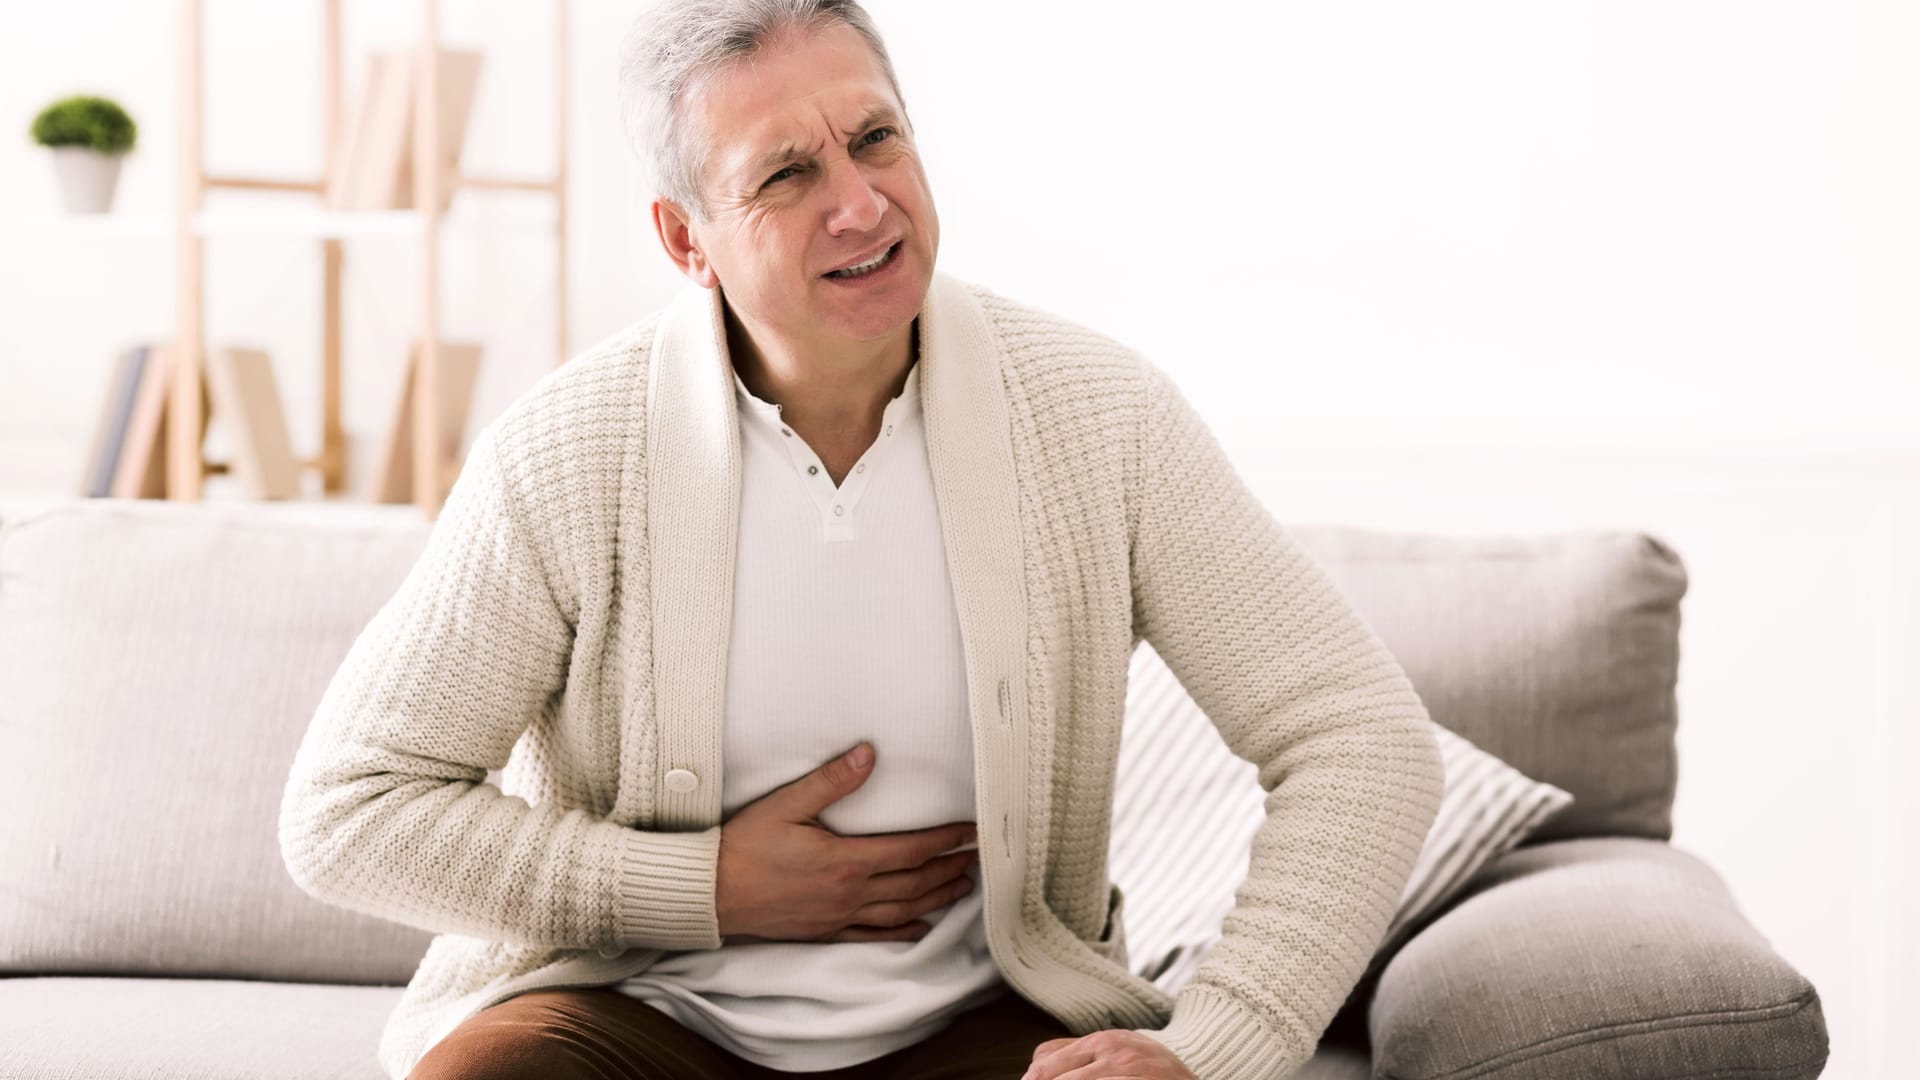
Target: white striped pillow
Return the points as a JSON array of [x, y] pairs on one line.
[[1185, 810]]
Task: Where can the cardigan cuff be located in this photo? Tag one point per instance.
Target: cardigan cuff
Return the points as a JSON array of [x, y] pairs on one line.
[[667, 889], [1218, 1038]]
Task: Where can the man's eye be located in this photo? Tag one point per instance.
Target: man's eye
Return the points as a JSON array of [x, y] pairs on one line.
[[781, 175], [878, 130]]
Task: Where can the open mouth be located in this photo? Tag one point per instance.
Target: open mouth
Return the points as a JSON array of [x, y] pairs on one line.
[[880, 262]]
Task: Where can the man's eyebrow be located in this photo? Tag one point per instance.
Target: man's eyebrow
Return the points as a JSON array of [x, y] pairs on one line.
[[874, 116], [787, 152]]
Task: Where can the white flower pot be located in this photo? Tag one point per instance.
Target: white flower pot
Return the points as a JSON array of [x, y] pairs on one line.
[[87, 178]]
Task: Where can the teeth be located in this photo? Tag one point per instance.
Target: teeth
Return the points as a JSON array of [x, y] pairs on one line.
[[865, 267]]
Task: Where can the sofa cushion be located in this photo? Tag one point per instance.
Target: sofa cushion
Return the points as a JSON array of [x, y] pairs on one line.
[[190, 1029], [1185, 811], [163, 661], [1599, 958], [1556, 653]]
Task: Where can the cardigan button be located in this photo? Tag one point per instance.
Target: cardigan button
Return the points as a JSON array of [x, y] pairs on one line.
[[610, 951], [682, 780]]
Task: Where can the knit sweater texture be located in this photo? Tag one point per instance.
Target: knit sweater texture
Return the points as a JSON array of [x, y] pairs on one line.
[[567, 622]]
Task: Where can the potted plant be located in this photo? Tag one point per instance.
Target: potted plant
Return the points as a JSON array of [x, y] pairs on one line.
[[88, 136]]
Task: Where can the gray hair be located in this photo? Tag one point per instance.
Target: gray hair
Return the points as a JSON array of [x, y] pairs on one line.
[[676, 43]]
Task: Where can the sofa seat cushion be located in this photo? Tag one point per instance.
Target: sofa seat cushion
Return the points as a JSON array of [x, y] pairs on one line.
[[1598, 958], [190, 1029]]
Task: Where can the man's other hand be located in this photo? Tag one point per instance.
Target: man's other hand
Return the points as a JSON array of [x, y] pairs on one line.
[[1113, 1054]]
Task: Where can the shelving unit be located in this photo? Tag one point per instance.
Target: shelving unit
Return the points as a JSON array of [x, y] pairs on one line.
[[433, 475]]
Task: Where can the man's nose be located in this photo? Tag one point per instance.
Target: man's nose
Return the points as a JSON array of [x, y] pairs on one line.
[[857, 205]]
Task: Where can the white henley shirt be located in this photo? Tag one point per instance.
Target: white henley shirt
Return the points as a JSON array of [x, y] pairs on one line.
[[844, 629]]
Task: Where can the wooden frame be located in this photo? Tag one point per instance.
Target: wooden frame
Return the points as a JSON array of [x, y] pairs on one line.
[[186, 466]]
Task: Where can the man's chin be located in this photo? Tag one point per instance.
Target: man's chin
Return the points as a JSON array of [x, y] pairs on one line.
[[872, 318]]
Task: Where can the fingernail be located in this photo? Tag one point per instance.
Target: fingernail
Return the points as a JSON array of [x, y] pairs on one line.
[[862, 755]]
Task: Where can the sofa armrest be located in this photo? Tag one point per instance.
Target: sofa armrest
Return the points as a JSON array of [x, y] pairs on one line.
[[1598, 957]]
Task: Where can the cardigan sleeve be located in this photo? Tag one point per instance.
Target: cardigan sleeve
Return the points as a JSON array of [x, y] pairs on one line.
[[388, 810], [1301, 687]]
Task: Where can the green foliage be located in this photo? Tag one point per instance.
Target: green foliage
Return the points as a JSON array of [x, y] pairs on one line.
[[85, 120]]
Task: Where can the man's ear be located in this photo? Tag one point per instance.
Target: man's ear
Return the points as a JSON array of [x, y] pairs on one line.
[[677, 238]]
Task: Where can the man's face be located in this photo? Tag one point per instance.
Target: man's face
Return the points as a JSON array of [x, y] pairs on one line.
[[810, 169]]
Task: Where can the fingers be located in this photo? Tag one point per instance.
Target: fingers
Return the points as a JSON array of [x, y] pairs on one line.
[[907, 884], [1067, 1056], [905, 851], [806, 797], [895, 912]]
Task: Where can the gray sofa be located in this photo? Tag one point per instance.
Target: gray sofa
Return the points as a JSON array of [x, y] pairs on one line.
[[160, 663]]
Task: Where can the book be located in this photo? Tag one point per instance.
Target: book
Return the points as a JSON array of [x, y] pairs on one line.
[[392, 478], [375, 139], [143, 453], [373, 169], [110, 426], [352, 139], [459, 76], [137, 449], [248, 404], [142, 472], [108, 423]]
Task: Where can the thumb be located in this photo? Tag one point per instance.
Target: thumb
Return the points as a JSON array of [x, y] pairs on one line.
[[831, 782]]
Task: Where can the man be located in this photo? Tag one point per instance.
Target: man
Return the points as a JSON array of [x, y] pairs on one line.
[[831, 498]]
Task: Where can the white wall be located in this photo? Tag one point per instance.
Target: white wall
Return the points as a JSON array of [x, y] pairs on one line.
[[1462, 267]]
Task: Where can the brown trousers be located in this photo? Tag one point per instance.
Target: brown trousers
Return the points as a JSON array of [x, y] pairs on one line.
[[600, 1033]]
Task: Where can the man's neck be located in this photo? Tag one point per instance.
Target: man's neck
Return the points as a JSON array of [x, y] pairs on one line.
[[828, 396]]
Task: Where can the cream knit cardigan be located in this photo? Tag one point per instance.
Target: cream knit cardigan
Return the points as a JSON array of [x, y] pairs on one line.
[[567, 624]]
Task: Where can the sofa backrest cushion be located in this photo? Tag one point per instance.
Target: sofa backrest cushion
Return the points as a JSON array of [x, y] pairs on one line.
[[1557, 653], [161, 663]]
